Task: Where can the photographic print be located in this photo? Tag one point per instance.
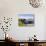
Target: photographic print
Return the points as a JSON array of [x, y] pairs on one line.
[[26, 20]]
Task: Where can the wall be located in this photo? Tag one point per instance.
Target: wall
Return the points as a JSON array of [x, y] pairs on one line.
[[10, 8]]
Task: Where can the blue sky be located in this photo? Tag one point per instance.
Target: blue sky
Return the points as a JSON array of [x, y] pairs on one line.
[[26, 16]]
